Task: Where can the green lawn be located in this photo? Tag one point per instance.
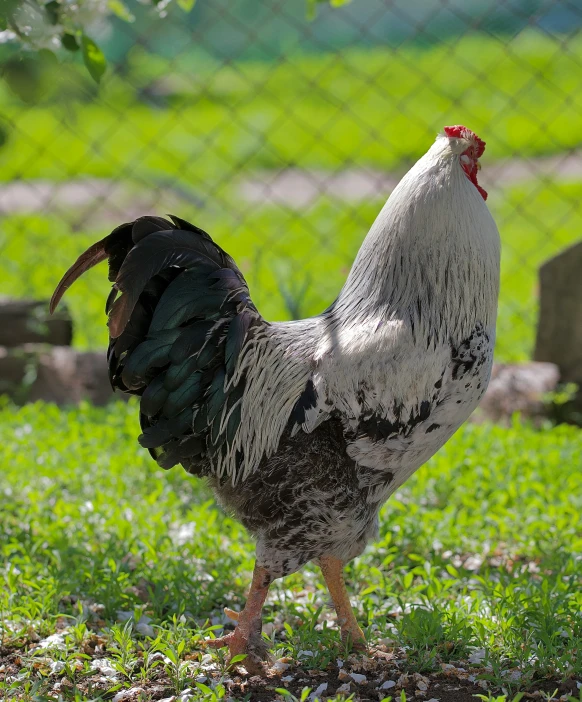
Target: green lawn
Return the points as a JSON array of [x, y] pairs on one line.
[[479, 559]]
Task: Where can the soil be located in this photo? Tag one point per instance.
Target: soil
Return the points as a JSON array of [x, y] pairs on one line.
[[453, 683]]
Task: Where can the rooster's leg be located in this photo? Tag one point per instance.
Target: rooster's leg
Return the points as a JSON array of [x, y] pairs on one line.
[[246, 638], [333, 574]]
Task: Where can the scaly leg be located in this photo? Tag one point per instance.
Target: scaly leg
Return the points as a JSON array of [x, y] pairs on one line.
[[333, 574], [246, 638]]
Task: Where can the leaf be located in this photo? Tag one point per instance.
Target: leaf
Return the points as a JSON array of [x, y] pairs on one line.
[[93, 58], [7, 8], [186, 5], [53, 9], [311, 10], [47, 57], [69, 42], [118, 8]]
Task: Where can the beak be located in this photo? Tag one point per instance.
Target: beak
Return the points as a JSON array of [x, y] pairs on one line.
[[478, 165]]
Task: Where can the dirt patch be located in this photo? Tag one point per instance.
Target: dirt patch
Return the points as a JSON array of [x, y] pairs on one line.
[[369, 678], [299, 188], [105, 200], [97, 199]]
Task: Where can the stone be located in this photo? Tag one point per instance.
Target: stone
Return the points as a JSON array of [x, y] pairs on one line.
[[67, 376], [559, 332], [57, 374], [522, 388], [28, 322]]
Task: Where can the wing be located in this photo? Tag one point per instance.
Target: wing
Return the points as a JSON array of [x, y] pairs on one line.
[[217, 383]]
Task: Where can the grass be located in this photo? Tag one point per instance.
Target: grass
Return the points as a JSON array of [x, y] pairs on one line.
[[195, 121], [478, 566], [296, 262]]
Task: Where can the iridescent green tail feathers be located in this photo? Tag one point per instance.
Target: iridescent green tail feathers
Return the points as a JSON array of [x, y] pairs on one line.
[[179, 316]]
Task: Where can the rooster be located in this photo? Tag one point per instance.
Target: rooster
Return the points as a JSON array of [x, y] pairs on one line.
[[305, 428]]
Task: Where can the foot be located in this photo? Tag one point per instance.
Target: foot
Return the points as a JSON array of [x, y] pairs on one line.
[[245, 640]]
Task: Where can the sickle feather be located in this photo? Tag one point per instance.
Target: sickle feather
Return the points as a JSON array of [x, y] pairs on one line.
[[95, 254]]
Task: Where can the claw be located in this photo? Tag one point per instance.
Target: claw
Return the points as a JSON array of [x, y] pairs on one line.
[[239, 645]]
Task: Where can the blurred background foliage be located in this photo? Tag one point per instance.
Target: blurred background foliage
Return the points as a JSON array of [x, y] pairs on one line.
[[282, 135]]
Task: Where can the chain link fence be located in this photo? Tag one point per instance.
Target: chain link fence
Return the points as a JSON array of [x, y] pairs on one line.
[[282, 136]]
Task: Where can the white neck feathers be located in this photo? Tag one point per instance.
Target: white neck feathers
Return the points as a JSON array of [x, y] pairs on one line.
[[431, 257]]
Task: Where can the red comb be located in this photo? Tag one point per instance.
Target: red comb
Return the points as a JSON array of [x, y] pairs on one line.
[[461, 132]]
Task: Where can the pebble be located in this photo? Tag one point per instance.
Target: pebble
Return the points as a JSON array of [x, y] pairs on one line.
[[319, 691], [127, 693], [53, 641], [305, 654], [358, 678], [478, 656], [387, 685], [145, 629], [103, 666], [280, 666]]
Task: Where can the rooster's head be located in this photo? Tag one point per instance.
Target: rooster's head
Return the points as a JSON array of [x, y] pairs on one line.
[[470, 148]]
